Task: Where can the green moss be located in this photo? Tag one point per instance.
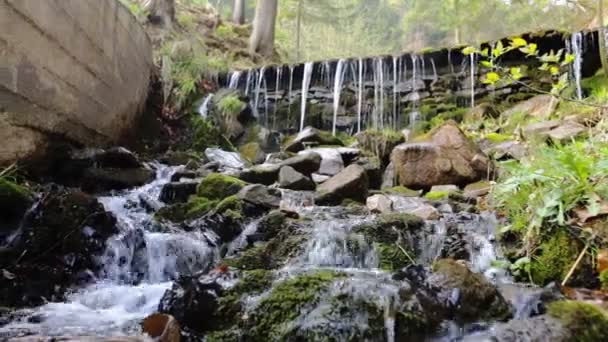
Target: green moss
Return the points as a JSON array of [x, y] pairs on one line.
[[585, 322], [286, 302], [401, 190], [387, 228], [255, 258], [217, 186], [206, 134], [230, 203], [498, 137], [173, 213], [225, 32], [437, 195], [231, 106], [604, 280], [553, 259], [199, 206], [391, 258], [250, 151]]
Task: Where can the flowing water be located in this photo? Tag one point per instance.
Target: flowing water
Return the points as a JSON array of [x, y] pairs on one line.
[[203, 109], [577, 50], [308, 68], [337, 90]]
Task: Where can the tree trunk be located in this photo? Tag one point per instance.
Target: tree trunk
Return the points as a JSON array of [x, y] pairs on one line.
[[298, 29], [238, 12], [262, 37], [602, 36], [162, 12]]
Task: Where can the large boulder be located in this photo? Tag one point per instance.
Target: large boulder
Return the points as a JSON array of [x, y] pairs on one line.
[[57, 247], [331, 160], [351, 183], [291, 179], [446, 157], [63, 84]]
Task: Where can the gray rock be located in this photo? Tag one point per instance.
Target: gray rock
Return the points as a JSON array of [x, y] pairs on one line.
[[535, 329], [304, 163], [379, 204], [312, 136], [540, 128], [444, 188], [388, 178], [291, 179], [266, 174], [541, 106], [260, 195], [351, 183], [232, 160], [507, 150], [318, 179], [331, 160], [567, 131]]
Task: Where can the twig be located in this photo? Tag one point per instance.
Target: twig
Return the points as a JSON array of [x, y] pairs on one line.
[[578, 260], [406, 254]]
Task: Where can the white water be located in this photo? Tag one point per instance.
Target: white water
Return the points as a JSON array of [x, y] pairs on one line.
[[203, 109], [577, 50], [339, 77], [248, 83], [235, 76], [308, 67], [381, 74], [258, 89], [395, 77], [360, 95], [117, 302], [472, 62]]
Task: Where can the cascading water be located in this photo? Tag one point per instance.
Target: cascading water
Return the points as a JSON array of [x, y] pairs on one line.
[[381, 85], [248, 83], [258, 89], [395, 78], [360, 94], [203, 109], [234, 79], [289, 91], [472, 64], [577, 50], [138, 267], [339, 77], [308, 68]]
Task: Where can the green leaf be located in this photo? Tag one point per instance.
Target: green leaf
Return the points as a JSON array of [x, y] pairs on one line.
[[487, 64], [554, 70], [516, 73], [485, 52], [491, 78], [569, 58], [469, 50], [518, 42]]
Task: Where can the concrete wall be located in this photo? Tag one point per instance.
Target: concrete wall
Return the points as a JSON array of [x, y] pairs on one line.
[[75, 70]]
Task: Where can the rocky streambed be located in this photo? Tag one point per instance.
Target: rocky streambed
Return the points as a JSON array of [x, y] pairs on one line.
[[304, 247]]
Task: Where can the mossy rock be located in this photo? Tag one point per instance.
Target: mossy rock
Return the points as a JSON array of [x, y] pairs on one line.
[[255, 258], [478, 299], [14, 200], [386, 228], [401, 190], [554, 258], [287, 301], [252, 152], [585, 322], [390, 257], [498, 137], [217, 186], [206, 134], [437, 195]]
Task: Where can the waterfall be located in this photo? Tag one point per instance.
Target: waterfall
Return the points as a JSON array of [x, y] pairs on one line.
[[203, 109], [577, 50], [381, 73], [258, 88], [234, 79], [265, 102], [472, 62], [414, 115], [308, 67], [360, 95], [289, 92], [395, 62], [248, 83], [435, 76], [338, 78], [376, 80], [279, 71]]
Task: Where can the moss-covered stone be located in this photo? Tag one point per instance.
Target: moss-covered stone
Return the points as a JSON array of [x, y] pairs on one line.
[[14, 200], [553, 258], [217, 186], [285, 303], [478, 299], [391, 257], [437, 195], [498, 137], [206, 134], [585, 322], [380, 143], [255, 258], [386, 228], [199, 206], [252, 152]]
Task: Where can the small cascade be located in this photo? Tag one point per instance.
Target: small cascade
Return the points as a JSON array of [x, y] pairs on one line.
[[360, 94], [395, 79], [376, 124], [472, 64], [289, 91], [414, 115], [248, 83], [279, 71], [435, 76], [577, 50], [235, 76], [258, 89], [308, 68], [338, 78], [203, 109], [381, 84]]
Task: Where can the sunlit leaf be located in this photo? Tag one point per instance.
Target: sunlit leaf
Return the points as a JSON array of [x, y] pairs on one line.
[[516, 73], [518, 42], [469, 50], [491, 78], [487, 64]]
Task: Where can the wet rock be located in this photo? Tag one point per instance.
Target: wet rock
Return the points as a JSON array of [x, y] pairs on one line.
[[117, 157], [271, 224], [226, 160], [95, 179], [60, 240], [78, 339], [379, 204], [187, 174], [194, 300], [318, 179], [162, 328], [253, 153], [540, 106], [306, 164], [311, 136], [177, 192], [331, 160], [534, 329], [478, 189], [447, 157], [291, 179], [469, 295], [260, 195], [373, 170], [217, 186], [507, 150], [266, 174], [351, 183], [388, 178], [15, 200], [426, 212], [177, 158]]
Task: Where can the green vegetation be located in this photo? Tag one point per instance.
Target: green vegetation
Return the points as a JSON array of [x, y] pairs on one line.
[[206, 134], [604, 280], [217, 186], [553, 259], [437, 195], [585, 322], [391, 257]]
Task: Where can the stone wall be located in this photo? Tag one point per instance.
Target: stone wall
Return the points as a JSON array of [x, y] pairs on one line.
[[71, 70]]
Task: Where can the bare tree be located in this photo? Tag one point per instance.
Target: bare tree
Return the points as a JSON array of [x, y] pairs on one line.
[[161, 12], [238, 12], [262, 37]]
